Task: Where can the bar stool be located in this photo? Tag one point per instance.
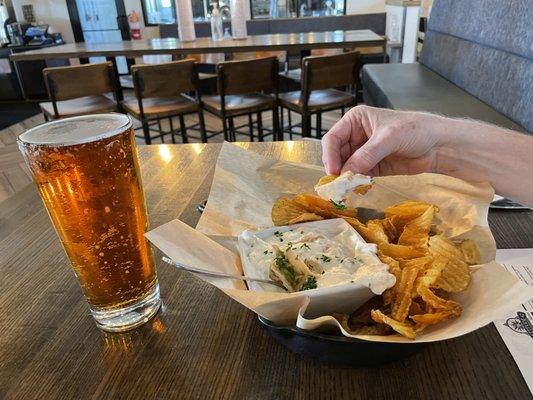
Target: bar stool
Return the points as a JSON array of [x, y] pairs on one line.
[[160, 92], [79, 90], [376, 52], [320, 77], [206, 67], [295, 74], [241, 86]]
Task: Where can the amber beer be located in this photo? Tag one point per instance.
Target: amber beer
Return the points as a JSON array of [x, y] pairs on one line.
[[87, 172]]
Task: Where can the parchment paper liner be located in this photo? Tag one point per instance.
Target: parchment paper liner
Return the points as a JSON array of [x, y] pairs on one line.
[[246, 185]]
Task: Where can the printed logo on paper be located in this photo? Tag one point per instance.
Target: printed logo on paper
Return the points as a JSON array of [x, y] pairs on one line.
[[520, 324]]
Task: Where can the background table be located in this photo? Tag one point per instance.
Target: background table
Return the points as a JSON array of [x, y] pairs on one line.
[[302, 42], [202, 344], [271, 42]]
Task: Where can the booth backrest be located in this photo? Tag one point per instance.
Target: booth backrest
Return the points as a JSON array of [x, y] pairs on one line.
[[486, 48]]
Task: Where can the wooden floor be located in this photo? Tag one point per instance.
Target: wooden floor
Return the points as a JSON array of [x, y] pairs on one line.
[[14, 174]]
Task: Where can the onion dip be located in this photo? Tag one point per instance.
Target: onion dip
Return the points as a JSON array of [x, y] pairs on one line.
[[304, 257]]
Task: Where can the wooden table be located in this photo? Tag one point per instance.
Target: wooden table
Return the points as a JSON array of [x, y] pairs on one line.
[[273, 42], [202, 345]]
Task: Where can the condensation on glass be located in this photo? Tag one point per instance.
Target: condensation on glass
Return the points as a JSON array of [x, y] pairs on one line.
[[88, 175]]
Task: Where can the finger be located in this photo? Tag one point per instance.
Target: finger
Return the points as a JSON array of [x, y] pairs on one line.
[[346, 151], [331, 153], [348, 130], [368, 156]]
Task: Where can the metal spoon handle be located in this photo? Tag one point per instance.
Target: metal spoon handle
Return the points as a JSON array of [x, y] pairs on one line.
[[218, 274]]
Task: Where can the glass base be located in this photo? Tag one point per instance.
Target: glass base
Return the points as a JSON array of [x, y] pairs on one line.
[[130, 317]]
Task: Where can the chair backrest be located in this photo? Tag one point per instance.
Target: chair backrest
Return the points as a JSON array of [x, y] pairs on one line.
[[164, 80], [326, 72], [240, 77], [64, 83]]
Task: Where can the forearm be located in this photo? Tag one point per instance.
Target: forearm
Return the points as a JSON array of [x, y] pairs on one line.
[[475, 151]]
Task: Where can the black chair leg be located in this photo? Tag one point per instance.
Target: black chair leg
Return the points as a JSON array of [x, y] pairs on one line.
[[201, 120], [342, 112], [290, 123], [172, 130], [232, 129], [306, 125], [251, 127], [282, 124], [276, 132], [259, 127], [183, 130], [45, 117], [160, 131], [225, 129], [318, 125], [146, 131]]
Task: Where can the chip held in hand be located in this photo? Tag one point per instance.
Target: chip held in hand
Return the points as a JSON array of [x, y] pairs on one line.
[[335, 188]]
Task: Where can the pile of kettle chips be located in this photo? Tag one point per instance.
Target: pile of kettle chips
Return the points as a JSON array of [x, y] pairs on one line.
[[428, 266]]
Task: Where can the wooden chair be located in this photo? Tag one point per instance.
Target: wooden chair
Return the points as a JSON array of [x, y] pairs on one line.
[[79, 90], [242, 90], [161, 92], [320, 78], [295, 75], [206, 67]]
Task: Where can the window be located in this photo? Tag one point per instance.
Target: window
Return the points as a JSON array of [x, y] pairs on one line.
[[201, 9], [264, 9], [320, 8], [158, 12]]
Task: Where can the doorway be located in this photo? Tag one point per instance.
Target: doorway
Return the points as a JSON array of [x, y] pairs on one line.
[[100, 21]]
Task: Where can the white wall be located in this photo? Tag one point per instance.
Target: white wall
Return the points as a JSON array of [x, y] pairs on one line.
[[52, 12], [55, 13], [365, 6]]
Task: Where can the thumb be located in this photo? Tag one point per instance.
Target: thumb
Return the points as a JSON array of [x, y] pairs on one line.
[[368, 156]]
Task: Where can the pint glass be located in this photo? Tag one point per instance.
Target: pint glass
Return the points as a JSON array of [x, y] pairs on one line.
[[87, 173]]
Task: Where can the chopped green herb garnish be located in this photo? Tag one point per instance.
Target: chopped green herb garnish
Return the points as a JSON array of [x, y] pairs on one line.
[[339, 205], [325, 258], [265, 252], [286, 269], [305, 245], [280, 239], [289, 246], [302, 232], [309, 284], [278, 234]]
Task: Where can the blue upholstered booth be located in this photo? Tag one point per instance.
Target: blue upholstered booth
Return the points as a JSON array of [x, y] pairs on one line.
[[477, 62]]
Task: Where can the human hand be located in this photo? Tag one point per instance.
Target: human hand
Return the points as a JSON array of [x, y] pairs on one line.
[[377, 141]]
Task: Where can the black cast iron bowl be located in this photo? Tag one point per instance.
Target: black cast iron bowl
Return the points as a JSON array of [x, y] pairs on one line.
[[337, 349]]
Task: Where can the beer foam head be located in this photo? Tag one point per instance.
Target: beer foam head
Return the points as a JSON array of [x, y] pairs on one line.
[[77, 130]]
